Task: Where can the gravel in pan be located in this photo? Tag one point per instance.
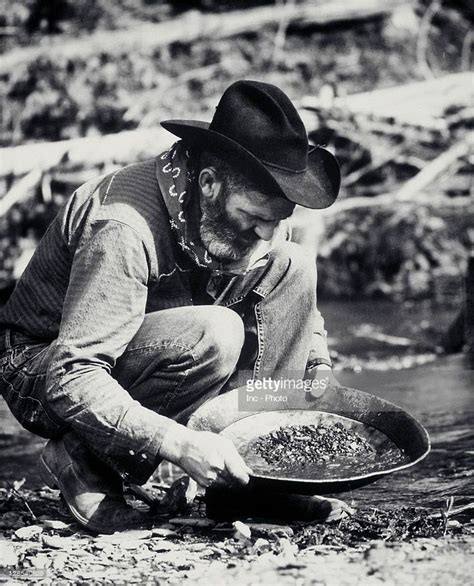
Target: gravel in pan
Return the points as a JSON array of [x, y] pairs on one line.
[[308, 444]]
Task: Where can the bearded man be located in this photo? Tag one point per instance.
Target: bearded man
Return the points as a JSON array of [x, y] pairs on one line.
[[149, 292]]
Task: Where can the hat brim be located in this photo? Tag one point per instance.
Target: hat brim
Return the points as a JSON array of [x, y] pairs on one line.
[[317, 187]]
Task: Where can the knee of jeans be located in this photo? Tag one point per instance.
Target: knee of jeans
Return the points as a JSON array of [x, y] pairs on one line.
[[224, 333]]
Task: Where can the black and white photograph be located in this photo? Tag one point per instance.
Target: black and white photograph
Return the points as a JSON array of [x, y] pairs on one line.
[[236, 292]]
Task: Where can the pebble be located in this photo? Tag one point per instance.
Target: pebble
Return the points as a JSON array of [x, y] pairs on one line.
[[54, 524], [242, 531]]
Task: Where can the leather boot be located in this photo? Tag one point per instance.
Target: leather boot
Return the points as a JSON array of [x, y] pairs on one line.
[[93, 492]]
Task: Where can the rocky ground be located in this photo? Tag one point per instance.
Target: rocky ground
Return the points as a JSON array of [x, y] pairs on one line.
[[39, 544]]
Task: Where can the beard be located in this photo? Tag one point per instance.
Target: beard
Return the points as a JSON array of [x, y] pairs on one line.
[[221, 235]]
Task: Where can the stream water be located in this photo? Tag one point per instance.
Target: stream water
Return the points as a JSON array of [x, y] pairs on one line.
[[376, 341], [439, 392]]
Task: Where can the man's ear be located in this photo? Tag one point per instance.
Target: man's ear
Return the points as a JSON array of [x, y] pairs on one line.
[[208, 182]]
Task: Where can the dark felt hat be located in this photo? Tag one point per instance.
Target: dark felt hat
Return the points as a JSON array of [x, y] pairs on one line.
[[258, 131]]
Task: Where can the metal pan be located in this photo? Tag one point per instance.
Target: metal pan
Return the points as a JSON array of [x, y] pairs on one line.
[[397, 438]]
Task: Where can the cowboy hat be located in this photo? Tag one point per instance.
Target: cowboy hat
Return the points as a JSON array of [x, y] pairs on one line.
[[258, 131]]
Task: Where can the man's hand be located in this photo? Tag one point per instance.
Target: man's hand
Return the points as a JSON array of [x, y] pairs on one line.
[[205, 456], [323, 372]]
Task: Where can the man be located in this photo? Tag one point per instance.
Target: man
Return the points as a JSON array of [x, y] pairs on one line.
[[152, 288]]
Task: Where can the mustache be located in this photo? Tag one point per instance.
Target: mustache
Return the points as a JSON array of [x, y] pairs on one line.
[[246, 237], [230, 233]]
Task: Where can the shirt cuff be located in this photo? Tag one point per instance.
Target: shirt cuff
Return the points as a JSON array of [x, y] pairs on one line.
[[314, 362], [137, 443]]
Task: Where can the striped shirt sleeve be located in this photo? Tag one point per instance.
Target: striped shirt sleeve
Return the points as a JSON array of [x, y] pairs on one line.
[[103, 309]]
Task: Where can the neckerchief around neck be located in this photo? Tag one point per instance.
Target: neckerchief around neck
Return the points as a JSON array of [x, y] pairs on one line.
[[176, 177]]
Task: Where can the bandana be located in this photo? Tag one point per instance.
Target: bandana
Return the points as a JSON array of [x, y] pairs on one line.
[[176, 178]]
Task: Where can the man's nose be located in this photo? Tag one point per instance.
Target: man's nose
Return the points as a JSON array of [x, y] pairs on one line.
[[265, 231]]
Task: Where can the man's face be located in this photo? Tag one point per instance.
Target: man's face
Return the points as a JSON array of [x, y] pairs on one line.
[[233, 222]]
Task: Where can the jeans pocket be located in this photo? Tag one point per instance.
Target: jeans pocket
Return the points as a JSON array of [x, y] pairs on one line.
[[21, 356]]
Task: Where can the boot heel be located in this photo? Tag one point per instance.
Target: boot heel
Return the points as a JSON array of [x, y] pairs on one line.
[[46, 474]]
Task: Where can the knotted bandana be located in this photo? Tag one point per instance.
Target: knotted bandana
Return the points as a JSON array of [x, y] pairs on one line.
[[176, 176]]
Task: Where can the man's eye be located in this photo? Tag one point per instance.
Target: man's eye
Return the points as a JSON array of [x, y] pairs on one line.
[[251, 218], [258, 220]]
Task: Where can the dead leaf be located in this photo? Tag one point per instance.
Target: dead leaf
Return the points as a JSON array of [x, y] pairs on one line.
[[199, 547], [143, 554], [40, 561], [28, 532], [17, 484], [163, 532], [54, 524], [56, 542], [136, 544], [166, 546], [261, 545], [288, 550], [8, 555], [121, 537]]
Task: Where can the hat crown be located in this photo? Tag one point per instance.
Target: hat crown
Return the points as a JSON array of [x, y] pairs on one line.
[[262, 119]]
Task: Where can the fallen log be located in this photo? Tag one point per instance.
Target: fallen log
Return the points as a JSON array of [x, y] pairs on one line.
[[420, 104], [121, 148], [355, 176], [413, 188], [434, 169], [354, 203], [21, 191], [194, 25]]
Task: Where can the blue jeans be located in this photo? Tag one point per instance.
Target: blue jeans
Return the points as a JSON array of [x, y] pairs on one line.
[[266, 321]]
